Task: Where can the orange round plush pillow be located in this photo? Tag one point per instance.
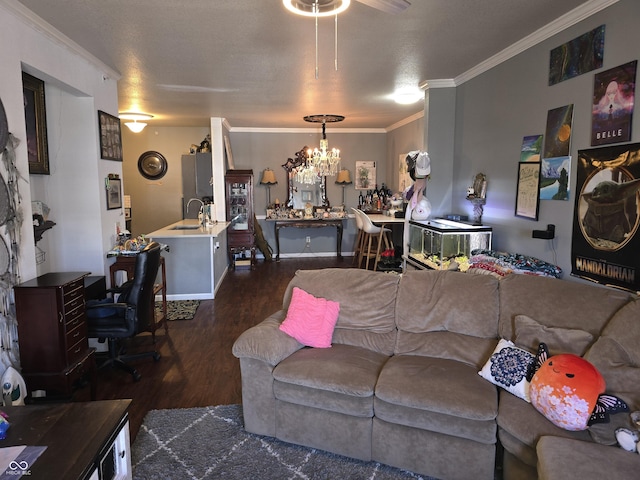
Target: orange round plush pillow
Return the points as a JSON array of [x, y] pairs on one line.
[[565, 389]]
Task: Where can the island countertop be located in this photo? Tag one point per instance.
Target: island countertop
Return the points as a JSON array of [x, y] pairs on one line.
[[189, 228]]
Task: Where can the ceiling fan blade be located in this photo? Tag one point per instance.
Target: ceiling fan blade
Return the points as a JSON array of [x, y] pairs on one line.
[[388, 6]]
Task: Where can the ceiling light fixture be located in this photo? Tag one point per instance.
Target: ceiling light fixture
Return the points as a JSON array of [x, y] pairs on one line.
[[407, 95], [135, 126], [322, 162], [317, 9]]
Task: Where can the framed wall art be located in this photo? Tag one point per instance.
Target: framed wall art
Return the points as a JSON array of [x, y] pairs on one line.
[[36, 124], [114, 192], [110, 137], [528, 190]]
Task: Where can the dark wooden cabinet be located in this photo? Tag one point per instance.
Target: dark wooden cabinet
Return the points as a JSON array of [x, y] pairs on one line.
[[52, 333], [240, 214]]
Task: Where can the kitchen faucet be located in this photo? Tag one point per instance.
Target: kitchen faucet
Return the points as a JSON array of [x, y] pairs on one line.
[[202, 215]]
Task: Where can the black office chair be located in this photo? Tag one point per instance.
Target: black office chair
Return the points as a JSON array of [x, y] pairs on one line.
[[132, 313]]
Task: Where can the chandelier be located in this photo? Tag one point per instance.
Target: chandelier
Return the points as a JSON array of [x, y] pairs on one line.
[[322, 161]]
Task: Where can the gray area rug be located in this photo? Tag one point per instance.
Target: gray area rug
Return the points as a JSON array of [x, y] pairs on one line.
[[211, 443]]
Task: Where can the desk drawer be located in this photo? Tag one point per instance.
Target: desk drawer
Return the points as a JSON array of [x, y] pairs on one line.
[[77, 334], [74, 318], [76, 351]]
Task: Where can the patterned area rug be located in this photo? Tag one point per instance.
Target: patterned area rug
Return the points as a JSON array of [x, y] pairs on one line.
[[180, 309], [211, 443]]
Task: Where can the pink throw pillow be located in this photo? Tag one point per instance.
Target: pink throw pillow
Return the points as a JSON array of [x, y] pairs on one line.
[[311, 320]]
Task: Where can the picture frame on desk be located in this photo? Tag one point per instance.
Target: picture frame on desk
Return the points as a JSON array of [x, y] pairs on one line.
[[36, 124]]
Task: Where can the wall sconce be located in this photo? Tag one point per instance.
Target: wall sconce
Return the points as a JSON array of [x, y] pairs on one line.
[[135, 126], [344, 179], [268, 179]]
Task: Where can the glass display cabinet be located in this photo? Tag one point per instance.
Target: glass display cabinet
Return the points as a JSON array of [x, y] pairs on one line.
[[240, 233], [444, 244]]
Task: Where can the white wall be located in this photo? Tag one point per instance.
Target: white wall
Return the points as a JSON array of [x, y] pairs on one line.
[[76, 89]]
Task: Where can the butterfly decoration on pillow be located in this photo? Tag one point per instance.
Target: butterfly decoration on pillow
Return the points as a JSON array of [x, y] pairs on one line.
[[569, 391]]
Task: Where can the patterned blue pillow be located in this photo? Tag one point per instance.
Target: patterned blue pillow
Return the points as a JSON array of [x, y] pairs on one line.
[[507, 368]]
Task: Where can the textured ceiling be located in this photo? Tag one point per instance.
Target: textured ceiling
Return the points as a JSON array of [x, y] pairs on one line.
[[252, 62]]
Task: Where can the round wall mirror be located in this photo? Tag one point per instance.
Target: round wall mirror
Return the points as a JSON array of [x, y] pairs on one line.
[[152, 165]]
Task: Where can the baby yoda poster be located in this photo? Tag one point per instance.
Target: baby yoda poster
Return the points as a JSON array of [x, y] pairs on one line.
[[606, 216]]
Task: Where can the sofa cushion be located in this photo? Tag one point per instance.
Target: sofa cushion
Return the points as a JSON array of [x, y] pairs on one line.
[[562, 458], [342, 378], [437, 385], [367, 304], [525, 424], [310, 320], [507, 368], [562, 301], [463, 305], [529, 333], [617, 356]]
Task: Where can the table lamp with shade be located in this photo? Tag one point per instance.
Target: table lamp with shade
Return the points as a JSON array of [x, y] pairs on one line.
[[268, 179], [344, 179]]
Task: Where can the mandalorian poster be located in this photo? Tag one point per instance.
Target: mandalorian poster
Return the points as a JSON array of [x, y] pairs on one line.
[[606, 240]]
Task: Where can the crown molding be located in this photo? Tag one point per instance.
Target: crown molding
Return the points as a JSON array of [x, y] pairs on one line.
[[567, 20], [57, 37], [406, 121]]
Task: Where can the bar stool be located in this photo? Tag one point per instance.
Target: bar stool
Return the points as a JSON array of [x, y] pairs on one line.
[[373, 237], [357, 247]]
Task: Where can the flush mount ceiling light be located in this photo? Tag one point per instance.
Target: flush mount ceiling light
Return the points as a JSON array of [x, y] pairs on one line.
[[135, 126], [408, 95]]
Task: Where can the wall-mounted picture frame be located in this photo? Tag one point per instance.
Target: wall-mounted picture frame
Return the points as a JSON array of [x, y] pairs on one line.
[[36, 124], [114, 193], [528, 190], [110, 137]]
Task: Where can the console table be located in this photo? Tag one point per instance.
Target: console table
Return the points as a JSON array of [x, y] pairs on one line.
[[83, 440], [310, 223]]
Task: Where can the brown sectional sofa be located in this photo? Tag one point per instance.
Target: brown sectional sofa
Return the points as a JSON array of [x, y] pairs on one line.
[[400, 384]]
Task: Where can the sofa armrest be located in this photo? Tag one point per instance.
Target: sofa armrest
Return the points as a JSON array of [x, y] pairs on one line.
[[266, 342]]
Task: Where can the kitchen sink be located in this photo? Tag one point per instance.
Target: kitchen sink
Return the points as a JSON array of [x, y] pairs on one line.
[[186, 227]]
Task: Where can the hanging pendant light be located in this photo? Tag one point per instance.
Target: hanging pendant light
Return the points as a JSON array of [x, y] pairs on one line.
[[322, 161]]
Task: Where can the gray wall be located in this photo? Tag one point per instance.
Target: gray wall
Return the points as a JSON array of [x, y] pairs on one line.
[[495, 110], [259, 150]]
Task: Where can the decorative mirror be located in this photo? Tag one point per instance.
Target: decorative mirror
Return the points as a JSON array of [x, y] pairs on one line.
[[301, 188], [152, 165]]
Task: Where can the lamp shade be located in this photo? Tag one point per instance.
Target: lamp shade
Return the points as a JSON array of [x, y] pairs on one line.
[[268, 177], [344, 177]]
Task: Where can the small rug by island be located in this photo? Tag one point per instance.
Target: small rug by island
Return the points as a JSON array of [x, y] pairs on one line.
[[180, 309], [211, 443]]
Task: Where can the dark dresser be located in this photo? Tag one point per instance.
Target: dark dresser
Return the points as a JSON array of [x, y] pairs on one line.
[[52, 333]]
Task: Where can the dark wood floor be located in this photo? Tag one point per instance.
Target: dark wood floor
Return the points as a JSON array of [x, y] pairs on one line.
[[197, 367]]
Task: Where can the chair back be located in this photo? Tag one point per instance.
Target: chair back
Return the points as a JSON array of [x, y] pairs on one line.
[[367, 224], [358, 219], [141, 293]]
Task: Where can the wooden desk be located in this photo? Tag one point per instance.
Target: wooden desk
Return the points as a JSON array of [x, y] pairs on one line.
[[311, 223], [78, 436], [127, 263]]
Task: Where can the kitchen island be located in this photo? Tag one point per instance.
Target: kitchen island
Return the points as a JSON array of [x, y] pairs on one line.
[[196, 260]]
